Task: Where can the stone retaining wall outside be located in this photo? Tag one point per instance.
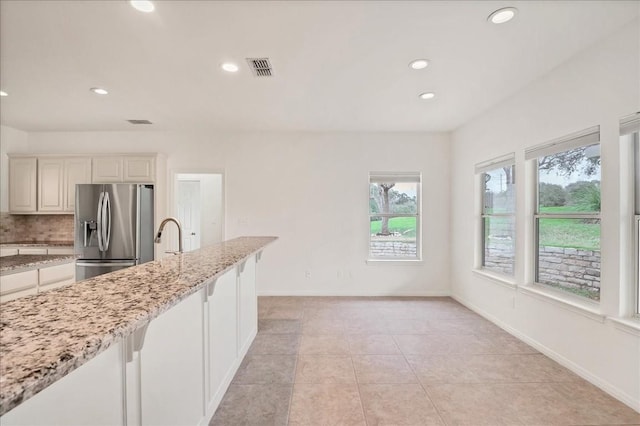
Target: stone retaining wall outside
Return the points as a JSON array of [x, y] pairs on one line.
[[392, 248], [570, 268], [565, 267]]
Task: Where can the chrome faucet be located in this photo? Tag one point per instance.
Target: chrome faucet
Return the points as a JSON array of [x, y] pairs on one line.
[[158, 238]]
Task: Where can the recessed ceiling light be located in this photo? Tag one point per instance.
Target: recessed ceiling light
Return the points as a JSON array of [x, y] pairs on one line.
[[427, 95], [99, 91], [229, 67], [419, 64], [3, 93], [503, 15], [142, 5]]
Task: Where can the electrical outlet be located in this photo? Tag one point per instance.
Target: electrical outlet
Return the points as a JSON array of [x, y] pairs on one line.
[[307, 274]]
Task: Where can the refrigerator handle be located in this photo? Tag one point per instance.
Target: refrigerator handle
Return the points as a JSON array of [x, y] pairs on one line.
[[106, 221], [99, 221]]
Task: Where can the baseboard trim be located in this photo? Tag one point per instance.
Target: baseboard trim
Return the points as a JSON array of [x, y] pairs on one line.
[[560, 359], [443, 293]]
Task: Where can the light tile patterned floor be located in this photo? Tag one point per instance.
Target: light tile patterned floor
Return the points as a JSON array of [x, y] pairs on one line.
[[401, 361]]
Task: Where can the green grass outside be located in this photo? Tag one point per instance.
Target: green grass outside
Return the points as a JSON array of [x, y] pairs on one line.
[[572, 233], [566, 233], [404, 225]]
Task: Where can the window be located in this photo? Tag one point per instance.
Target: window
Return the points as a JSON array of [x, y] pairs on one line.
[[567, 218], [394, 216], [629, 136], [497, 251]]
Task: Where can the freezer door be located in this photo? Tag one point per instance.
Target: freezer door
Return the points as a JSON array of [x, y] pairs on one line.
[[87, 269]]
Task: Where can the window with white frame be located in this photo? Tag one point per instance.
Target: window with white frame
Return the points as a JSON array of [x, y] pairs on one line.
[[497, 247], [567, 217], [629, 134], [394, 216]]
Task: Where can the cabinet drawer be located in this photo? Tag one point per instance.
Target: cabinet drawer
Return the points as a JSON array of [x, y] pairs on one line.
[[18, 281], [8, 251], [47, 287], [60, 250], [33, 250], [17, 294], [54, 274]]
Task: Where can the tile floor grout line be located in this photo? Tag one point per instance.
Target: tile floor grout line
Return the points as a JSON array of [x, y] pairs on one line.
[[435, 406], [293, 385], [355, 374]]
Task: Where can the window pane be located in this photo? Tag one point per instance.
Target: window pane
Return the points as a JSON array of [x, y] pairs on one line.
[[397, 198], [499, 190], [499, 249], [393, 237], [569, 255], [570, 181]]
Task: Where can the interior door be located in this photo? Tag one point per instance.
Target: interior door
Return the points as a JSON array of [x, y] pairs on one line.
[[189, 213]]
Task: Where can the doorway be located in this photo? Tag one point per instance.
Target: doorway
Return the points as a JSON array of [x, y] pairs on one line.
[[198, 203]]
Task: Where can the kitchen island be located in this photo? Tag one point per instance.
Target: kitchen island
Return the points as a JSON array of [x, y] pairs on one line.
[[173, 328]]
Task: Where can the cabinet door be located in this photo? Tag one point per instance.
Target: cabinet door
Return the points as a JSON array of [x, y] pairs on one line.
[[139, 169], [248, 304], [76, 170], [222, 341], [106, 169], [18, 282], [90, 395], [60, 250], [17, 295], [22, 185], [8, 251], [50, 184], [56, 276], [172, 367]]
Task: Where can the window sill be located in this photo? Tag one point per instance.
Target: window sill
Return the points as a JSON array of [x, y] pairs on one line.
[[585, 308], [502, 280], [406, 262], [628, 325]]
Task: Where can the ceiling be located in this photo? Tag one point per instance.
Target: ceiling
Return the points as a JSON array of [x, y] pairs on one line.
[[338, 65]]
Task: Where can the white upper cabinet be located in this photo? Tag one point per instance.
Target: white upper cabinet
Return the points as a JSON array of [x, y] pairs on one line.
[[57, 179], [50, 184], [22, 185], [139, 169], [128, 169], [107, 170], [76, 170], [46, 183]]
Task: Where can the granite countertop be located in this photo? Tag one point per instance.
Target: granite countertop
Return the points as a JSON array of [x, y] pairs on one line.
[[25, 262], [46, 336], [38, 244]]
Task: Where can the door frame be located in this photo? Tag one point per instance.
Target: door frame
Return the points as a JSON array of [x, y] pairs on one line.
[[172, 201]]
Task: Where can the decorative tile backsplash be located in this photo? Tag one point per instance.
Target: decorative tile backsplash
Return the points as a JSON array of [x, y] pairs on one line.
[[35, 228]]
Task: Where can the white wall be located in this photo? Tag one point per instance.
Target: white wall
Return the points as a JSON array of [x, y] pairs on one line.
[[311, 190], [11, 140], [597, 87]]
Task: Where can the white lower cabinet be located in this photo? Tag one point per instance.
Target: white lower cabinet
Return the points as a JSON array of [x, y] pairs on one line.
[[172, 368], [56, 276], [89, 395], [248, 302], [14, 286], [222, 337], [173, 371]]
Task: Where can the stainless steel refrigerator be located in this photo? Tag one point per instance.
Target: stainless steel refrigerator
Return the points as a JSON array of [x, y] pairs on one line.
[[113, 227]]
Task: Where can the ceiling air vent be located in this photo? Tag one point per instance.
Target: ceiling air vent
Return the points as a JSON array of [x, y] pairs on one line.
[[139, 121], [261, 67]]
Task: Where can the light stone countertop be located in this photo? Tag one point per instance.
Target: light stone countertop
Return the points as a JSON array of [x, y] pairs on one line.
[[46, 336], [26, 262]]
